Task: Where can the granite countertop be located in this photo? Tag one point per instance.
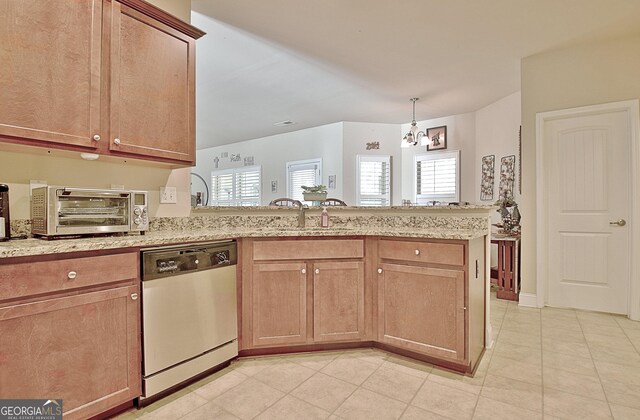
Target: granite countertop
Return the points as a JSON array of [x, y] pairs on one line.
[[412, 208], [31, 247]]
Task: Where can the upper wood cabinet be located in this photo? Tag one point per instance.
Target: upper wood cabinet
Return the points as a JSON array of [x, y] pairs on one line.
[[50, 70], [114, 78], [152, 87]]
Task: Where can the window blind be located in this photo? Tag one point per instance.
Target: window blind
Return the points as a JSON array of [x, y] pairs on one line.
[[437, 177], [373, 180], [299, 173], [236, 187]]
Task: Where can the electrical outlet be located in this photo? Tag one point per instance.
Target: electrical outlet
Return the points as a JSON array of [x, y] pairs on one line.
[[168, 195]]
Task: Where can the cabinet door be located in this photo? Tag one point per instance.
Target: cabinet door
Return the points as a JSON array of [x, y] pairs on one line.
[[152, 87], [50, 70], [84, 349], [279, 304], [422, 309], [338, 301]]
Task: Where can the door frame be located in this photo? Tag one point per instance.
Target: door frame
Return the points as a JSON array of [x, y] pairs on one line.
[[632, 108]]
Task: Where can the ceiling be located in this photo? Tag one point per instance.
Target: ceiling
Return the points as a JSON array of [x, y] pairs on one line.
[[318, 62]]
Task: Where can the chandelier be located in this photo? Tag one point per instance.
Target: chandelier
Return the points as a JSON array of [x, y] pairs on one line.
[[413, 136]]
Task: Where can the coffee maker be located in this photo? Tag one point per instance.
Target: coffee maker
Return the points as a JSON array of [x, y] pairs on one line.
[[5, 223]]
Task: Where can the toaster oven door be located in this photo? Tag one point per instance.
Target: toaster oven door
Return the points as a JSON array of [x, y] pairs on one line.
[[92, 211]]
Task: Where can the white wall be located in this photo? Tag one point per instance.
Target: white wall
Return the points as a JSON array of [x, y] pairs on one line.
[[273, 152], [356, 137], [461, 135]]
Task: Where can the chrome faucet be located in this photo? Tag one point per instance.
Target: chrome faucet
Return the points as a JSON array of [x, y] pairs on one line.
[[301, 214]]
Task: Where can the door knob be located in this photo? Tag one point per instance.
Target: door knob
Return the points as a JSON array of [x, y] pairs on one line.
[[620, 222]]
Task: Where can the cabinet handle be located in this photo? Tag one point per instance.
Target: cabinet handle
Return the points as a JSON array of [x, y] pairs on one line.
[[134, 296], [379, 270], [317, 271], [116, 141], [303, 271], [96, 137], [417, 252], [72, 275]]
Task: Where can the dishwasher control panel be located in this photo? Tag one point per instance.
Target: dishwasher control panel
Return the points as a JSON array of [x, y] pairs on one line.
[[171, 261]]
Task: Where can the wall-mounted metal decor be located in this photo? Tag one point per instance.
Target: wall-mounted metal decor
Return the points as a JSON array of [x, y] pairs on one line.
[[248, 161], [274, 186], [374, 145], [332, 182], [235, 157], [437, 138], [216, 162], [486, 183], [507, 176]]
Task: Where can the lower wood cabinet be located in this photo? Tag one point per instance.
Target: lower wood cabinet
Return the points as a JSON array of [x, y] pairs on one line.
[[279, 303], [338, 301], [82, 348], [422, 309]]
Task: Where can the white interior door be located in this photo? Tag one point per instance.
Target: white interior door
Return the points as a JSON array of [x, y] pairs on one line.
[[588, 181]]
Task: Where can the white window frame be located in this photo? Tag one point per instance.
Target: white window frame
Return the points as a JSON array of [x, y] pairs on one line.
[[301, 163], [422, 199], [373, 158], [235, 200]]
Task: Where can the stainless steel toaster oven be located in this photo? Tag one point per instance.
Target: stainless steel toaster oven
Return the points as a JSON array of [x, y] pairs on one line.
[[59, 211]]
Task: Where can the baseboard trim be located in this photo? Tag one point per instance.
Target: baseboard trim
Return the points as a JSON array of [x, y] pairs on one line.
[[529, 300]]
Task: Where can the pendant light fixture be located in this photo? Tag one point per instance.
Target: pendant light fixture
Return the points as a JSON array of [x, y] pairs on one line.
[[413, 136]]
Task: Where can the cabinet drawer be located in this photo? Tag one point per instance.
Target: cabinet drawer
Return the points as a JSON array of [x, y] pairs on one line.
[[308, 249], [426, 252], [26, 279]]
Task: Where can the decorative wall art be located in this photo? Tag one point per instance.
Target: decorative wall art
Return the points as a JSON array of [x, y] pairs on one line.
[[374, 145], [216, 162], [486, 183], [332, 182], [507, 176], [437, 138], [274, 186], [248, 161], [235, 157]]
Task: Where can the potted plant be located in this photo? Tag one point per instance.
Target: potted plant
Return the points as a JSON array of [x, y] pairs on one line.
[[314, 193]]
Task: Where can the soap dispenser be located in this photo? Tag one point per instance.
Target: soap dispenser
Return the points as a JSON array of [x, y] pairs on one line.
[[324, 218]]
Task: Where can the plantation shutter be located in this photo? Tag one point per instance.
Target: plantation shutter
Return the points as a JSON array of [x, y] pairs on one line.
[[301, 173], [236, 187], [222, 193], [437, 177], [248, 187], [374, 180]]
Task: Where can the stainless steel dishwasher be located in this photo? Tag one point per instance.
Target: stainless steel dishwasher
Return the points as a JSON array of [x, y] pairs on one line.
[[189, 312]]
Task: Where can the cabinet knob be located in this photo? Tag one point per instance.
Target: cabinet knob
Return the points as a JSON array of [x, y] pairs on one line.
[[96, 137], [72, 275], [379, 270], [134, 296], [303, 271], [116, 141], [417, 252], [464, 307], [317, 271]]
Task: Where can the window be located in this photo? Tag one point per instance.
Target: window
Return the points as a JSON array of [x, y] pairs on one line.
[[302, 172], [373, 180], [438, 177], [236, 187]]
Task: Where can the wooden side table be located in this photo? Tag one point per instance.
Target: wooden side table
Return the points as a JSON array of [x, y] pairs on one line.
[[508, 266]]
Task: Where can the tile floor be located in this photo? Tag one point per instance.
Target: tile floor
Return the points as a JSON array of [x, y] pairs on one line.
[[549, 363]]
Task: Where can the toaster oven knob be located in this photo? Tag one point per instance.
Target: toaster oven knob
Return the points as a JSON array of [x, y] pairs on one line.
[[137, 211], [137, 220]]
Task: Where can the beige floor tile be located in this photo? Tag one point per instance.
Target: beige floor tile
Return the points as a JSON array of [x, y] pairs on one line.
[[164, 401], [581, 365], [248, 399], [624, 355], [250, 367], [314, 361], [324, 391], [514, 369], [393, 383], [572, 349], [521, 327], [523, 354], [209, 411], [284, 377], [514, 308], [564, 405], [176, 409], [220, 385], [590, 327], [607, 340], [374, 356], [622, 394], [352, 370], [408, 366], [457, 381], [488, 409], [564, 335], [520, 338], [621, 412], [561, 324], [596, 317], [618, 372], [627, 324], [573, 383], [292, 408], [558, 312], [366, 405], [507, 390], [415, 413], [445, 400]]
